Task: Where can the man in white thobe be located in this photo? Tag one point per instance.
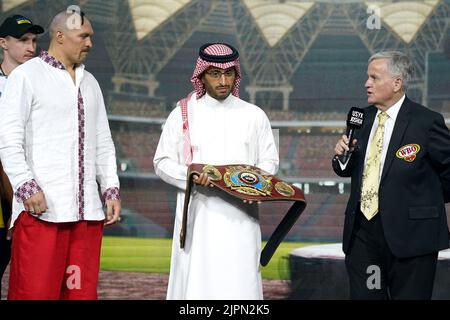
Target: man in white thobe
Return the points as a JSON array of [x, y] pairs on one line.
[[220, 259]]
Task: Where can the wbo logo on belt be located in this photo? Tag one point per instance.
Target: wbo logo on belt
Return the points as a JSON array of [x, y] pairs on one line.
[[408, 152], [249, 183]]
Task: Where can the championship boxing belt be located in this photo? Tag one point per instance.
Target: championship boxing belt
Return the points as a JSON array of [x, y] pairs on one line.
[[249, 183]]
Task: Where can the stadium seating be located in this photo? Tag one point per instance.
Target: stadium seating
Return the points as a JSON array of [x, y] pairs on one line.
[[322, 219], [303, 155], [137, 148], [147, 108], [276, 115]]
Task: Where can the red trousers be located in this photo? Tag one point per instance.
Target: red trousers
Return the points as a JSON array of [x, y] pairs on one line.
[[52, 261]]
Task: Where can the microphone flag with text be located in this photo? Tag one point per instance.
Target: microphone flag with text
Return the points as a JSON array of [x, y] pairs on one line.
[[355, 121]]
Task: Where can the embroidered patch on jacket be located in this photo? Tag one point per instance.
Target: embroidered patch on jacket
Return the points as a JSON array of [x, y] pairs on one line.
[[408, 152]]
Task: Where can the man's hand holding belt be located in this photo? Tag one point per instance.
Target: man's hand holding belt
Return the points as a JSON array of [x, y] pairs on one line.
[[203, 180]]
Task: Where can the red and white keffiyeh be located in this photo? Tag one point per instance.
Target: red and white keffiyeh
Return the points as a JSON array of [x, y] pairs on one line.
[[217, 50], [219, 55]]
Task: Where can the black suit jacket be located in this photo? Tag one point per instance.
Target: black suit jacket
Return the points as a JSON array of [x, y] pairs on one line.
[[412, 195]]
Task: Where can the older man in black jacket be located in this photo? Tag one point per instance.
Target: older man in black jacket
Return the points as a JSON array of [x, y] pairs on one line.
[[395, 221]]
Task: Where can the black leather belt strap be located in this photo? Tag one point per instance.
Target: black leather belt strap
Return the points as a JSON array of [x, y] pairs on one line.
[[281, 231], [247, 176]]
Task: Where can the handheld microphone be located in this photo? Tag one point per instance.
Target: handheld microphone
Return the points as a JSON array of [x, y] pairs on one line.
[[355, 121]]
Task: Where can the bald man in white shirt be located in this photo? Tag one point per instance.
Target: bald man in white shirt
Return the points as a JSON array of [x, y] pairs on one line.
[[55, 145]]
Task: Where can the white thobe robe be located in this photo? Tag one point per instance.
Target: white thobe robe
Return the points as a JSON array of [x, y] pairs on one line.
[[223, 245]]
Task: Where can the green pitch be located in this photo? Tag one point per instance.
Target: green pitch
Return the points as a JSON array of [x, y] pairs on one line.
[[153, 255]]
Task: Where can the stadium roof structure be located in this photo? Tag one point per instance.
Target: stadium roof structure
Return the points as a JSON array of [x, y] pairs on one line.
[[405, 18], [417, 27], [273, 37], [148, 15], [275, 19]]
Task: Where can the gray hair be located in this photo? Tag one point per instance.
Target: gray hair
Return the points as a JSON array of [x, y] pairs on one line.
[[399, 64]]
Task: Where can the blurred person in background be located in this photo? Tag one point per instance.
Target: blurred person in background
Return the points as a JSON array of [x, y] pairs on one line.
[[18, 40]]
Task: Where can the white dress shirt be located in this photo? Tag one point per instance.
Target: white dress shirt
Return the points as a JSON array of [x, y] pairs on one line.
[[40, 141], [392, 112]]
